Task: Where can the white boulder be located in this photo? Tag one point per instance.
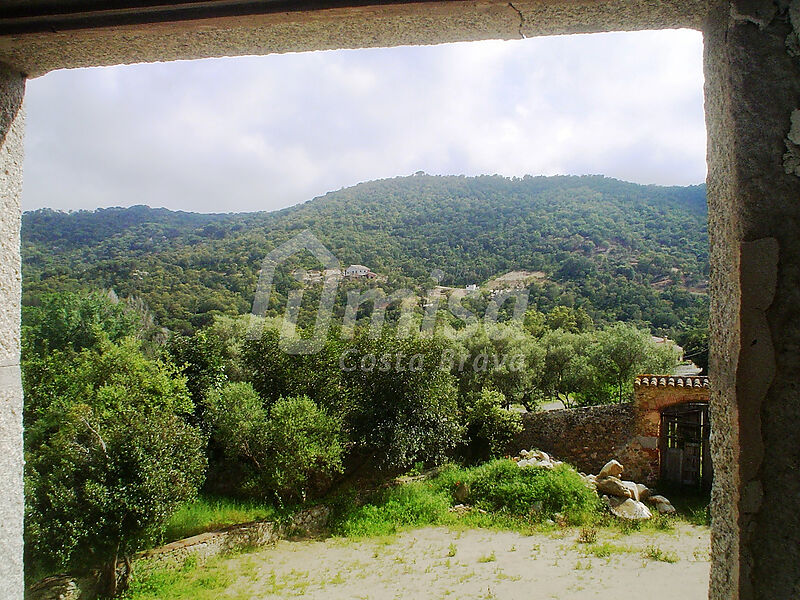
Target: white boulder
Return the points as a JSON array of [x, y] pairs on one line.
[[611, 469], [629, 509]]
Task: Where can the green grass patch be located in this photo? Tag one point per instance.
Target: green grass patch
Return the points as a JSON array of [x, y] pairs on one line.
[[500, 495], [656, 553], [208, 514], [603, 549], [190, 582], [388, 511]]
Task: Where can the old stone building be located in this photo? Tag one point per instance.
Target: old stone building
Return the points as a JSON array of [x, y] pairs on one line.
[[662, 435]]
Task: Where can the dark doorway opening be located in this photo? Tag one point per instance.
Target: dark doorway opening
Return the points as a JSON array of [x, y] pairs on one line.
[[684, 445]]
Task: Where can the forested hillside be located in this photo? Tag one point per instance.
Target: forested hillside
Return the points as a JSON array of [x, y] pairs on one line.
[[620, 251]]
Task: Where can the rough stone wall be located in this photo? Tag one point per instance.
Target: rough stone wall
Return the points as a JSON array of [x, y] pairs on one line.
[[589, 437], [209, 545], [752, 91], [378, 25], [12, 89], [312, 520], [584, 437]]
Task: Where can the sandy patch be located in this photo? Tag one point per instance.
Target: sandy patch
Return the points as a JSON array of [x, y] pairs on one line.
[[439, 563]]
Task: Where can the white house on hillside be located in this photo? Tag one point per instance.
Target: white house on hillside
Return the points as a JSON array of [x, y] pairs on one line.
[[358, 271]]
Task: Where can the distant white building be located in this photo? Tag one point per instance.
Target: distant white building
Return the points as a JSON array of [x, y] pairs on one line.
[[471, 287], [358, 271]]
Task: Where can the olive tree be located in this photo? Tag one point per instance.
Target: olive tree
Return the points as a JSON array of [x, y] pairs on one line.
[[287, 450], [108, 460], [622, 351]]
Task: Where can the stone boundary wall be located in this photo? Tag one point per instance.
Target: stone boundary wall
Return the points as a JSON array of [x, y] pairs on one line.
[[584, 437], [589, 437], [210, 544], [256, 533], [203, 546]]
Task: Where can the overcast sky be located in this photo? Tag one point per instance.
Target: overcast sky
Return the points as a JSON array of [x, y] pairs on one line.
[[262, 133]]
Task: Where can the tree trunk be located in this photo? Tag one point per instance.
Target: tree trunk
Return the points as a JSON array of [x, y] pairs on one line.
[[108, 587], [116, 580]]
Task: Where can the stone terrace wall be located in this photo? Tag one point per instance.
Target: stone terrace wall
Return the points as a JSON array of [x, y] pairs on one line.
[[584, 437], [589, 437]]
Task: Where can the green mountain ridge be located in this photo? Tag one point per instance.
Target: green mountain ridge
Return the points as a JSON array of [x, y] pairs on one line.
[[620, 250]]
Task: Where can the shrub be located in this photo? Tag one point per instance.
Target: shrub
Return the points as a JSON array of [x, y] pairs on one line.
[[238, 422], [290, 450], [500, 485], [305, 445], [490, 427]]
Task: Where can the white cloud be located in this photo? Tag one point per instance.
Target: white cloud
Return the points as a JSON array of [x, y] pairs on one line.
[[260, 133]]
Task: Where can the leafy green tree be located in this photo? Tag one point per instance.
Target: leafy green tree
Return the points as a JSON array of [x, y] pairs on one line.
[[490, 427], [108, 461], [622, 351], [566, 371], [572, 320], [71, 321], [534, 322], [402, 405], [695, 347], [289, 451], [199, 357], [502, 357], [232, 333], [275, 373]]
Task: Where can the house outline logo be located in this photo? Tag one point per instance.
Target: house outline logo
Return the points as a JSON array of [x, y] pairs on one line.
[[289, 341]]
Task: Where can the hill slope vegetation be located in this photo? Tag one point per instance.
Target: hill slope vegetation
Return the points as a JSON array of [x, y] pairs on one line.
[[620, 251]]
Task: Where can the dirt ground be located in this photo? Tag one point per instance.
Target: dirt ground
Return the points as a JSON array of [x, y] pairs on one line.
[[439, 563]]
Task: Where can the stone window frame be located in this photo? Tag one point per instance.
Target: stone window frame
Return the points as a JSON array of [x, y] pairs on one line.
[[752, 95]]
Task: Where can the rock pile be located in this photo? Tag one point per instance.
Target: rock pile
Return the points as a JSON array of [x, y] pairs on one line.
[[536, 458], [625, 499]]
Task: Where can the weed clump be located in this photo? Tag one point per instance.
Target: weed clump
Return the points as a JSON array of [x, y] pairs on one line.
[[587, 535], [656, 553]]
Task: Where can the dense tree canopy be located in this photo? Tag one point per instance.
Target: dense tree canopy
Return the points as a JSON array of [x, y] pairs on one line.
[[617, 251]]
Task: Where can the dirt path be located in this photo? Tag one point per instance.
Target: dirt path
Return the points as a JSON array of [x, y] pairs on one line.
[[439, 563]]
